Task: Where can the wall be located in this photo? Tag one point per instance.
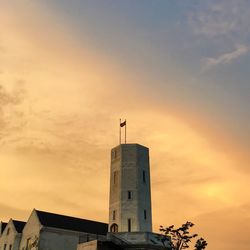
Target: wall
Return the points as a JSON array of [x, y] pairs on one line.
[[144, 190], [129, 161], [60, 239], [92, 245], [56, 239], [31, 233]]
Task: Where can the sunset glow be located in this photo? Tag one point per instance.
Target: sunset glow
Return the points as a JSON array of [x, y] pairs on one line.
[[69, 71]]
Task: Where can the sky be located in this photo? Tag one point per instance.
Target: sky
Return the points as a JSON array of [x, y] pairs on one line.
[[178, 71]]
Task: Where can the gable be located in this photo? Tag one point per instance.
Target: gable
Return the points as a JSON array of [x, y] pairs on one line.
[[33, 223], [9, 229]]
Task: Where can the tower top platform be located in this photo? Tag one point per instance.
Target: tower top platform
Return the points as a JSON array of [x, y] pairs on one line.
[[130, 145]]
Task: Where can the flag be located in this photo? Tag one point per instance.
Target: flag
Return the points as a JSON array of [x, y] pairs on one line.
[[123, 124]]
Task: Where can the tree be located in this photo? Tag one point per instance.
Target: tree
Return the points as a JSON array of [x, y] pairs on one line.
[[180, 238], [200, 244]]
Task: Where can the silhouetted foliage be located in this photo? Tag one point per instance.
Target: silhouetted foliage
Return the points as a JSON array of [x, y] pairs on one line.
[[179, 238], [200, 244]]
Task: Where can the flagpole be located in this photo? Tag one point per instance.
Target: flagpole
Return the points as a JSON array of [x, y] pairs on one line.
[[125, 132], [120, 132]]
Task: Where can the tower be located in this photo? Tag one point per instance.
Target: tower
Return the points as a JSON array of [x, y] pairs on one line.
[[130, 195]]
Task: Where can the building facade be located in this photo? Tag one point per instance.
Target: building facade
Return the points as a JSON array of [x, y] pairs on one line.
[[49, 231], [11, 235]]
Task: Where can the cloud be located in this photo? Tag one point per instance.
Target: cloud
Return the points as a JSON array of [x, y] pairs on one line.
[[222, 27], [227, 58], [213, 18], [9, 102], [9, 98]]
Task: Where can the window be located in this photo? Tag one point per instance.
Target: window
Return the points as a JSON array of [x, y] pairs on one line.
[[4, 247], [10, 247], [145, 214], [115, 177], [114, 215], [114, 228], [129, 195], [129, 225], [8, 231], [144, 176]]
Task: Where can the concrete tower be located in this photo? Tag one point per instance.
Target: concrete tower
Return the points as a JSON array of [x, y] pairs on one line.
[[130, 197]]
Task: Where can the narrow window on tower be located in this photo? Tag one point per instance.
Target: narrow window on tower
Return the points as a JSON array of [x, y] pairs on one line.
[[144, 176], [115, 177], [129, 195], [129, 225], [145, 214], [114, 215]]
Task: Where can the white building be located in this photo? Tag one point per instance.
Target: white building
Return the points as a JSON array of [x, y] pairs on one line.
[[11, 235], [48, 231]]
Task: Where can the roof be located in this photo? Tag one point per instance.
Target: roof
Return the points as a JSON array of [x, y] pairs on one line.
[[19, 225], [3, 225], [71, 223]]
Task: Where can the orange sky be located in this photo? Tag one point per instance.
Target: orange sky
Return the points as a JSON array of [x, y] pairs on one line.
[[60, 106]]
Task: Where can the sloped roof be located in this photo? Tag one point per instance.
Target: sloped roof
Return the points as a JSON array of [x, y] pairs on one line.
[[19, 225], [3, 225], [71, 223]]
